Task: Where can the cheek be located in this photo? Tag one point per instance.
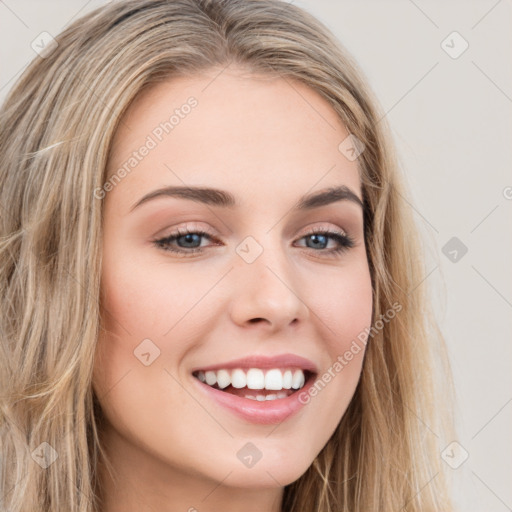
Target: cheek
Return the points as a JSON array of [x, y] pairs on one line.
[[143, 301], [128, 316], [344, 309], [147, 295], [344, 304]]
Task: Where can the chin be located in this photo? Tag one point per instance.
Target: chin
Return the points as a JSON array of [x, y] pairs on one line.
[[264, 467]]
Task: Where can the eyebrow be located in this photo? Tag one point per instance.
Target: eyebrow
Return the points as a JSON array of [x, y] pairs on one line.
[[224, 199]]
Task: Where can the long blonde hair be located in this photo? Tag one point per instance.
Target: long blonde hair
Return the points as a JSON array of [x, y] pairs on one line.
[[58, 123]]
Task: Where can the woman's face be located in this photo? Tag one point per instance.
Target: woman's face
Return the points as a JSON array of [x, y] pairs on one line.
[[258, 301]]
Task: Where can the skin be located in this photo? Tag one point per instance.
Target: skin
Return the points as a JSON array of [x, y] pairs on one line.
[[268, 142]]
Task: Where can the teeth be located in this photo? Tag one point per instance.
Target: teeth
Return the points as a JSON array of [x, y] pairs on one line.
[[223, 379], [211, 378], [255, 379], [261, 398], [298, 379], [238, 379], [287, 379], [274, 379]]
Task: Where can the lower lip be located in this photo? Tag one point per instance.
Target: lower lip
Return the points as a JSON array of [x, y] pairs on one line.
[[268, 412]]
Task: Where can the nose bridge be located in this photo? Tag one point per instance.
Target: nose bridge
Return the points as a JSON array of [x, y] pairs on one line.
[[266, 287]]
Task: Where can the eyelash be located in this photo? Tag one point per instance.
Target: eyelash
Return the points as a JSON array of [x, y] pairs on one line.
[[345, 241]]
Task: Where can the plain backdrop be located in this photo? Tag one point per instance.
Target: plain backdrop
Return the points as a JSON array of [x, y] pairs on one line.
[[442, 71]]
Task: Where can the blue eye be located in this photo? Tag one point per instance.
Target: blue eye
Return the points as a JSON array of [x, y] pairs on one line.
[[321, 238], [187, 242], [191, 239]]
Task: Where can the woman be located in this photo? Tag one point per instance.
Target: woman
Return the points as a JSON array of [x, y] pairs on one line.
[[286, 364]]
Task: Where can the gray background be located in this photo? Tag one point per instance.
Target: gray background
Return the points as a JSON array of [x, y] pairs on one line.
[[451, 120]]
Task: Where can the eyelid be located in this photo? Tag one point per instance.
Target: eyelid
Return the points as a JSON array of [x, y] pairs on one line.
[[320, 229], [193, 227], [185, 227], [343, 240]]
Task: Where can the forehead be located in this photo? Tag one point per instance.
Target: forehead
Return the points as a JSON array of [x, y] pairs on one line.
[[232, 129]]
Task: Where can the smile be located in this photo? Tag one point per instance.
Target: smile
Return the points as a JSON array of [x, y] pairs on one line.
[[258, 389], [256, 383]]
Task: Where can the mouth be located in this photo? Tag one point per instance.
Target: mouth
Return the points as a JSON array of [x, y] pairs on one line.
[[258, 389], [258, 384]]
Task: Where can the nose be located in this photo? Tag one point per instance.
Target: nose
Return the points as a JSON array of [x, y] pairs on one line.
[[267, 292]]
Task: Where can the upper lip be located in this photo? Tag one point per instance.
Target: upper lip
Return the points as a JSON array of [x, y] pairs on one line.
[[263, 362]]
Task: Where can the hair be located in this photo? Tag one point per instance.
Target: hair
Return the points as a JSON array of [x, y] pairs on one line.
[[58, 123]]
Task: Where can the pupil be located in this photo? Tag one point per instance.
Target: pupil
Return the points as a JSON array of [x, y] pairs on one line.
[[189, 238], [316, 238]]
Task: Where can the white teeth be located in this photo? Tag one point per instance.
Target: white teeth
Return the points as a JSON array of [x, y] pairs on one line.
[[238, 379], [298, 379], [223, 379], [274, 380], [287, 379], [211, 378], [255, 379], [263, 398]]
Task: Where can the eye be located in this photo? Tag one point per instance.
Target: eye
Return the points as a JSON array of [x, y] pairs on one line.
[[320, 237], [191, 240], [185, 242]]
